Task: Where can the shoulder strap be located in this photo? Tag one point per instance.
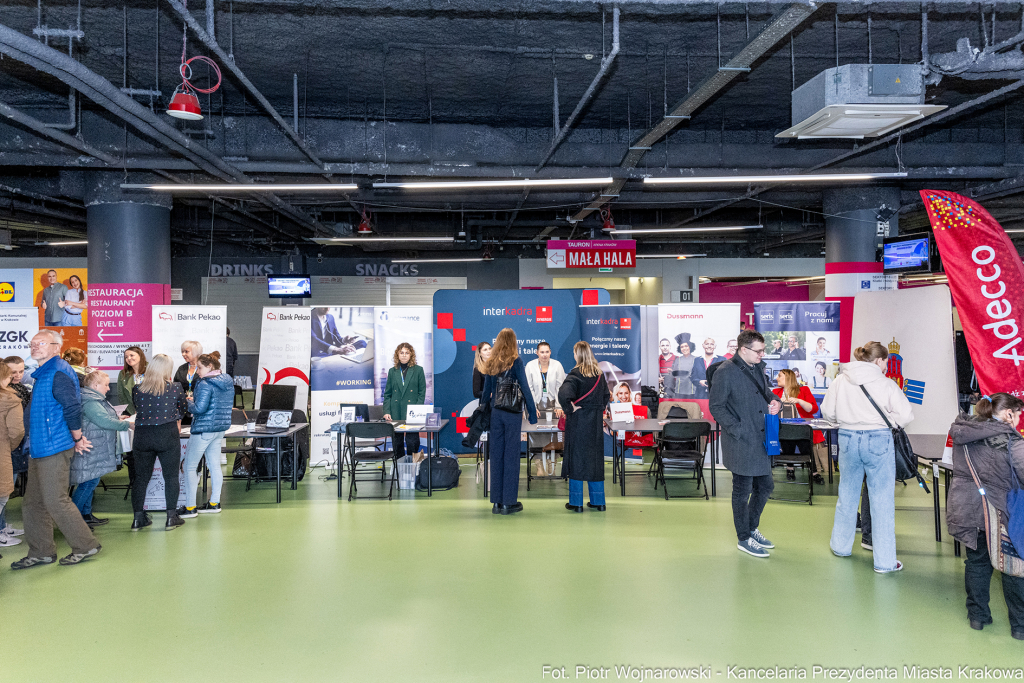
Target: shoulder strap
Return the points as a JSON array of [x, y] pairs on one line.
[[598, 381], [760, 389], [880, 412]]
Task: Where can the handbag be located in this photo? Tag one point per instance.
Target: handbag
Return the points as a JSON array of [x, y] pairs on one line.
[[771, 422], [1002, 551], [508, 395], [561, 420], [906, 459]]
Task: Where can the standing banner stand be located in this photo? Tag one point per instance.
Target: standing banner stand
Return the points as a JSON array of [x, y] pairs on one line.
[[173, 325], [803, 337], [392, 326], [284, 352], [19, 326]]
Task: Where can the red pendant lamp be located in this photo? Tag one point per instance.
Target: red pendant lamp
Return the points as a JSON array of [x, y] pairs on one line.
[[185, 102]]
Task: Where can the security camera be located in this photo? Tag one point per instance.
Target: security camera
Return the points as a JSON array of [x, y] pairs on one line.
[[319, 258]]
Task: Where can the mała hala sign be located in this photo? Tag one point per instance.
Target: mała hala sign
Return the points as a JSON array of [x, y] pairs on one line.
[[591, 253]]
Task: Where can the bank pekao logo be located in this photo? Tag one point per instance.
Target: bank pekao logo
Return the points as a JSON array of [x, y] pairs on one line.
[[165, 316], [271, 316], [914, 389], [6, 291]]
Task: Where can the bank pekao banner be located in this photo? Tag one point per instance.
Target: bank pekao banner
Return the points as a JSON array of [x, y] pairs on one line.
[[692, 338], [173, 325], [120, 315], [284, 352], [986, 278], [392, 326], [803, 337], [17, 327], [341, 370]]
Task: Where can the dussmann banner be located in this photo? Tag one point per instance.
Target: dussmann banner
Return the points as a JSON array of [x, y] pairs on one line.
[[986, 278]]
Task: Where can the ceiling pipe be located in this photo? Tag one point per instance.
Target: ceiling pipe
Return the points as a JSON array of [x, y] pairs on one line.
[[104, 93], [229, 64], [38, 126], [606, 64], [41, 197]]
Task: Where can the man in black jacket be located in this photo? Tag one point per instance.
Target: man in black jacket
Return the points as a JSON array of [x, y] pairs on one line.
[[739, 400]]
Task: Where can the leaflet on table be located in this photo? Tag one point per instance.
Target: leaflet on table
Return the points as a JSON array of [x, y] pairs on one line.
[[622, 412], [417, 414]]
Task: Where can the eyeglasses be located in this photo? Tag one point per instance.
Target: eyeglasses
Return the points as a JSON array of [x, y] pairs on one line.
[[758, 352], [39, 345]]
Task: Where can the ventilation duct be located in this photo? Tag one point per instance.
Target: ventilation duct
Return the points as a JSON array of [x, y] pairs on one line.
[[859, 101]]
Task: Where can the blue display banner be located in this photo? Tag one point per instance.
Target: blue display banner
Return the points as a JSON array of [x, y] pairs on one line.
[[813, 316], [464, 318], [802, 336]]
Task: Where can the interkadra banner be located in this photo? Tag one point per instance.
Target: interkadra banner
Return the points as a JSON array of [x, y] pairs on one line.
[[986, 278]]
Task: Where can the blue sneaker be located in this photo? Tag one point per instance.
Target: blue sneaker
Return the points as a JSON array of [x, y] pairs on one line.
[[761, 540], [752, 547]]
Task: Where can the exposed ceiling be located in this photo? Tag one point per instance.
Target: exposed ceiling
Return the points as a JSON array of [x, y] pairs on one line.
[[466, 89]]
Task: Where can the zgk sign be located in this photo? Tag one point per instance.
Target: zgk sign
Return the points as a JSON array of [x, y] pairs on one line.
[[591, 254]]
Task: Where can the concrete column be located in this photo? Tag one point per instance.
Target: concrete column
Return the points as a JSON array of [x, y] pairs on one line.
[[852, 244]]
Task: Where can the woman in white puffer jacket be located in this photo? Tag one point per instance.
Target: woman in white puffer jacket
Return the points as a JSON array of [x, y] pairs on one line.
[[866, 449]]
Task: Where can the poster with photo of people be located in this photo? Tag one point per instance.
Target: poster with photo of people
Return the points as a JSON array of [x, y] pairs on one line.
[[802, 337], [60, 295]]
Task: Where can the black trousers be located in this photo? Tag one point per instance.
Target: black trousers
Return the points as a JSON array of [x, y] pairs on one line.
[[978, 578], [749, 496], [865, 515], [406, 443], [152, 443]]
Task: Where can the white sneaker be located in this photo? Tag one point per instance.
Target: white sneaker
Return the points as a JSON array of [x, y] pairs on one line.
[[223, 458], [11, 531], [7, 541]]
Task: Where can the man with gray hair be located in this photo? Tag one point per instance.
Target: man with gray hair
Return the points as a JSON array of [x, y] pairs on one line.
[[53, 299], [53, 423]]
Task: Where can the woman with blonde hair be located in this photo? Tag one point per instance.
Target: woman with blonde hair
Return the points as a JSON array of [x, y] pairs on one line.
[[480, 358], [406, 385], [800, 397], [584, 396], [187, 374], [866, 449], [160, 404], [507, 390]]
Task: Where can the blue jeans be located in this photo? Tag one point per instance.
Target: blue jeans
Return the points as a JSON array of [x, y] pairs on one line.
[[594, 488], [207, 444], [868, 453], [82, 496]]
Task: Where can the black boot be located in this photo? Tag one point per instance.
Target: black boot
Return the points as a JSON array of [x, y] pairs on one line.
[[94, 522], [173, 520], [141, 521]]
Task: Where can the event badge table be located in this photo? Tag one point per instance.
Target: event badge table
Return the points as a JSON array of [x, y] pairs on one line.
[[542, 427], [651, 426]]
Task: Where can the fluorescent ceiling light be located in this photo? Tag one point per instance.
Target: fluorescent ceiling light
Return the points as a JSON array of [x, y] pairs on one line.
[[245, 187], [438, 260], [651, 231], [675, 256], [1015, 231], [786, 178], [518, 182], [356, 240], [61, 244]]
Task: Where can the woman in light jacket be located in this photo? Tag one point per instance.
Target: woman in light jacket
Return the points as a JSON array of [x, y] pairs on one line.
[[583, 455], [406, 385], [100, 425], [992, 440], [211, 416], [12, 429], [866, 449]]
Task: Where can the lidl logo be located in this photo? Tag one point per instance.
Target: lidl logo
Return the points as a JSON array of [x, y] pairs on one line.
[[544, 314], [6, 291], [625, 323]]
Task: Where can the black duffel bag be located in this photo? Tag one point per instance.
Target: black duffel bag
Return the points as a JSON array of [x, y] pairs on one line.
[[444, 473]]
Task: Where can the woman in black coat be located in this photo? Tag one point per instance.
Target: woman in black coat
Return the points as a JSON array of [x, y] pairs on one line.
[[584, 396]]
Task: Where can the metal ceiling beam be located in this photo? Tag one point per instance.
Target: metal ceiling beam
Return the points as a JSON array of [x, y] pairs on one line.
[[549, 6], [780, 26], [37, 126]]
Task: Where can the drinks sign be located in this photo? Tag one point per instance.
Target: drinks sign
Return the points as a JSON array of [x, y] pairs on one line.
[[591, 253]]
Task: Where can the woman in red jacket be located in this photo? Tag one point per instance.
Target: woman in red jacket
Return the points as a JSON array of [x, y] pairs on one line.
[[793, 393]]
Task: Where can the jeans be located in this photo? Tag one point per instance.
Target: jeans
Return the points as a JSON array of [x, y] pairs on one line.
[[978, 577], [208, 444], [594, 488], [152, 443], [408, 443], [82, 496], [504, 446], [867, 453], [749, 496]]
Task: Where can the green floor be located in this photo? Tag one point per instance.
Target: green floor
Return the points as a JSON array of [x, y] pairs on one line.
[[320, 590]]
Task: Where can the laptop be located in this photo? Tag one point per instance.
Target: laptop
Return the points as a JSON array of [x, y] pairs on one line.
[[273, 422]]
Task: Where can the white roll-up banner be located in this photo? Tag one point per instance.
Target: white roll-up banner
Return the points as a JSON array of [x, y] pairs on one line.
[[284, 352], [173, 325]]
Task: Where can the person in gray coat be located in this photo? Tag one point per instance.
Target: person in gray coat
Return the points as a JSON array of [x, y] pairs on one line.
[[994, 445], [100, 425], [739, 401]]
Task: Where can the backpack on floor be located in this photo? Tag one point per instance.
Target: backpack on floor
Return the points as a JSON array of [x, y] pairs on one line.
[[444, 474]]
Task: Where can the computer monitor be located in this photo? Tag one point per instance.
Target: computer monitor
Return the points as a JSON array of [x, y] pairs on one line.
[[277, 397]]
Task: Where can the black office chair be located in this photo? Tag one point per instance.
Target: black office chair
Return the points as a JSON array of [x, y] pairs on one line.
[[674, 413], [368, 430], [239, 400], [679, 448], [789, 433]]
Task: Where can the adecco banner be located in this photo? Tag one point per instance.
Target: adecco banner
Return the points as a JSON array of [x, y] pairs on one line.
[[120, 315], [17, 327], [284, 352], [803, 337], [986, 278], [173, 325], [392, 326], [464, 318]]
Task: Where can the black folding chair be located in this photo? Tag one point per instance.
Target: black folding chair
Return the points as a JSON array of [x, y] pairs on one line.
[[674, 413], [679, 448], [803, 434], [368, 430]]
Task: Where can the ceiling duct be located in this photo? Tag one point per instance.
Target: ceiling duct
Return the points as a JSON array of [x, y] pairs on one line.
[[859, 101]]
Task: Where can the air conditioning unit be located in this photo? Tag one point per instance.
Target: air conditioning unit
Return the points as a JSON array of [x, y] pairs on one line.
[[859, 101]]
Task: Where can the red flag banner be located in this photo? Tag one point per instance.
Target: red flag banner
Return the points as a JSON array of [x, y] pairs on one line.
[[986, 277]]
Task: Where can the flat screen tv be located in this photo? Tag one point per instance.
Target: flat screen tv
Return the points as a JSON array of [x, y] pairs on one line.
[[289, 286], [907, 255]]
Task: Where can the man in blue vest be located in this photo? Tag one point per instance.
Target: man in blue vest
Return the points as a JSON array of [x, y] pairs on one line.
[[53, 428]]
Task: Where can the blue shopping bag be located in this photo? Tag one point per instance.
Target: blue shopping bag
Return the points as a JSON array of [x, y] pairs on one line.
[[771, 434], [1015, 511]]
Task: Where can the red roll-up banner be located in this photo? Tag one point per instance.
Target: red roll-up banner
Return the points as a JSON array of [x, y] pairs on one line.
[[986, 277]]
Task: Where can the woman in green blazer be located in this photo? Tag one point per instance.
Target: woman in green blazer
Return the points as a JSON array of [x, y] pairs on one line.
[[133, 373], [406, 385]]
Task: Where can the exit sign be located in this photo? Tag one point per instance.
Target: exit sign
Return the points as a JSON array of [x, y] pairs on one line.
[[605, 270]]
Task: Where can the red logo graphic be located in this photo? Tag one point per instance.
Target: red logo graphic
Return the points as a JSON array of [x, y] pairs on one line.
[[544, 314], [271, 316], [625, 323], [165, 316]]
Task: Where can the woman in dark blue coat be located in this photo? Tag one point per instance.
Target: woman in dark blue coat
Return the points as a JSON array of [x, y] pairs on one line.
[[506, 425]]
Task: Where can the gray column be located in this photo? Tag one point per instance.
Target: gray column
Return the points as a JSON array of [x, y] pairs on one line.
[[129, 233]]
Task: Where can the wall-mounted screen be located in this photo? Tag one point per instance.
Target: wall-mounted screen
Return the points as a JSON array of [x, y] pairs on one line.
[[289, 287], [907, 255]]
